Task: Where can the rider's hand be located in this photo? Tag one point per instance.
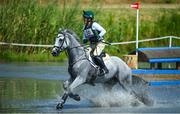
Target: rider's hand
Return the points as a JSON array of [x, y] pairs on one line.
[[100, 38]]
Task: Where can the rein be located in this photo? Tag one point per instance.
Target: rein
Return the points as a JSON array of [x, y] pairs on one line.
[[80, 58]]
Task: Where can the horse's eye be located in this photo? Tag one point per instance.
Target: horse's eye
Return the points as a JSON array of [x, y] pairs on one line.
[[60, 39]]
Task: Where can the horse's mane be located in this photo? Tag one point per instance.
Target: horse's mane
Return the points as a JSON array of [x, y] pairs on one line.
[[73, 34]]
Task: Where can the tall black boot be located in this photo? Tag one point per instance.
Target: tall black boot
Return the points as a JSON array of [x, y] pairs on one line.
[[99, 61]]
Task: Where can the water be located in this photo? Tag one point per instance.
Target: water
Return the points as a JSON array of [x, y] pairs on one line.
[[36, 87]]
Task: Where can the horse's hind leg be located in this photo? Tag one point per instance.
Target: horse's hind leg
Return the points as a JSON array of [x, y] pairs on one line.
[[124, 83], [141, 96]]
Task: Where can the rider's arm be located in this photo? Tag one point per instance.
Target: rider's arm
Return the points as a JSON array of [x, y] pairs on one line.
[[96, 26], [85, 40]]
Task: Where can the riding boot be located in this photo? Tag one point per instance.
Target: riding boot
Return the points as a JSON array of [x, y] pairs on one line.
[[99, 61]]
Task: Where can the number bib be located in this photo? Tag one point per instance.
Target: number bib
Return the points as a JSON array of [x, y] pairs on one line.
[[89, 33]]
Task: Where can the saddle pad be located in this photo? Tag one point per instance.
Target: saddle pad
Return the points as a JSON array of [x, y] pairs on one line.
[[106, 57]]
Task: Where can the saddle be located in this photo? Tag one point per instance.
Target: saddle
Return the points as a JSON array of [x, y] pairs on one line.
[[103, 55]]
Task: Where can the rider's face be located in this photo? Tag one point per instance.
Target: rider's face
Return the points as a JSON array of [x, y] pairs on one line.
[[87, 21]]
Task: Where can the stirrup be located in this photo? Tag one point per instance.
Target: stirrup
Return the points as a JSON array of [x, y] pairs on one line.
[[103, 72]]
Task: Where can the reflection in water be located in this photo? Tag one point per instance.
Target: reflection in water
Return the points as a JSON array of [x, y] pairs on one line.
[[17, 90]]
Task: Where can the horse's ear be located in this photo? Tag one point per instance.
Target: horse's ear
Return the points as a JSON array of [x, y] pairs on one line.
[[84, 11], [60, 30]]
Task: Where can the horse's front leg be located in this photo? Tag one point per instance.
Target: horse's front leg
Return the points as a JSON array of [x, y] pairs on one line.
[[71, 95], [78, 81], [69, 92], [63, 100], [65, 95], [66, 84]]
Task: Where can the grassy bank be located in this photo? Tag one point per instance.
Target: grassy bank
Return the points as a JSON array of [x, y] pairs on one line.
[[29, 21], [10, 56]]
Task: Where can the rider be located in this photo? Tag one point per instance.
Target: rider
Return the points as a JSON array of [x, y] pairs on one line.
[[94, 32]]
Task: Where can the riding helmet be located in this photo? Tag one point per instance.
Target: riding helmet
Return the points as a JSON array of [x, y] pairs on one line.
[[88, 14]]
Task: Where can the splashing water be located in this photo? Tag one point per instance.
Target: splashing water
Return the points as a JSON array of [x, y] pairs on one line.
[[101, 97]]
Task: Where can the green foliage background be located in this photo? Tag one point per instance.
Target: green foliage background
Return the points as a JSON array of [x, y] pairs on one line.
[[29, 21]]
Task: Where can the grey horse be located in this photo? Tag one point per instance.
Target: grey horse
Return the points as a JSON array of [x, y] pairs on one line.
[[83, 70]]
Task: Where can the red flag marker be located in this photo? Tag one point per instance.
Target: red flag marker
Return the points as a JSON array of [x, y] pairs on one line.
[[135, 5]]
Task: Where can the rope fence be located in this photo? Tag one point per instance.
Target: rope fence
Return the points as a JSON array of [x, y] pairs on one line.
[[115, 43], [147, 40], [25, 45]]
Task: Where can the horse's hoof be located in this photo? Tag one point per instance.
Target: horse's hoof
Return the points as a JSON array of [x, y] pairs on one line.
[[75, 96], [59, 106], [147, 101], [135, 104], [143, 98]]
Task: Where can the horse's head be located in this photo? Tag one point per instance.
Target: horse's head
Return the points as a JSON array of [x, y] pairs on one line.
[[61, 43]]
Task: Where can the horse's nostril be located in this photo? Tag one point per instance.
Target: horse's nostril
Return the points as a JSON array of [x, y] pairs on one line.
[[54, 53]]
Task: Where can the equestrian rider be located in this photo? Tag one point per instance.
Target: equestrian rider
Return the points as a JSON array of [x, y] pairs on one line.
[[94, 32]]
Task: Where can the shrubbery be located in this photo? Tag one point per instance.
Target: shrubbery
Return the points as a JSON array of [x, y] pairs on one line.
[[27, 21]]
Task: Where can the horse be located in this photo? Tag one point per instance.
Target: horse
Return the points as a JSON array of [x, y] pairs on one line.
[[82, 69]]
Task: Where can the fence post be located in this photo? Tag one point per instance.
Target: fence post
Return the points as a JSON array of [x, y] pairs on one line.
[[170, 45], [170, 41]]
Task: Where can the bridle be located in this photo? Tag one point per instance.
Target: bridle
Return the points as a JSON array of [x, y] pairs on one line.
[[64, 40]]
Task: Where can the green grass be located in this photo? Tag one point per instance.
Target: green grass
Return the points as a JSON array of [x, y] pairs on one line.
[[26, 21], [44, 55]]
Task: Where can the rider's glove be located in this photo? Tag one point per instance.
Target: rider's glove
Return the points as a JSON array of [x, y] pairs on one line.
[[100, 38], [85, 41]]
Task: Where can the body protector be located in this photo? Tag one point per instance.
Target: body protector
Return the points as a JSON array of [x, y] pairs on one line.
[[93, 32], [92, 35]]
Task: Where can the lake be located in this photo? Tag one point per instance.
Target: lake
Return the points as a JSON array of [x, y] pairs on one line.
[[37, 87]]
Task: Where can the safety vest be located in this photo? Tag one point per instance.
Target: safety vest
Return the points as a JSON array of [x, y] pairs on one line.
[[92, 35]]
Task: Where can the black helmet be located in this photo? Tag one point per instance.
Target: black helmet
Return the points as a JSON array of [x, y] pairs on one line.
[[88, 14]]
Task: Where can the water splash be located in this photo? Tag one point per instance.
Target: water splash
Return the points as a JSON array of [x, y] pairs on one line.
[[99, 96]]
